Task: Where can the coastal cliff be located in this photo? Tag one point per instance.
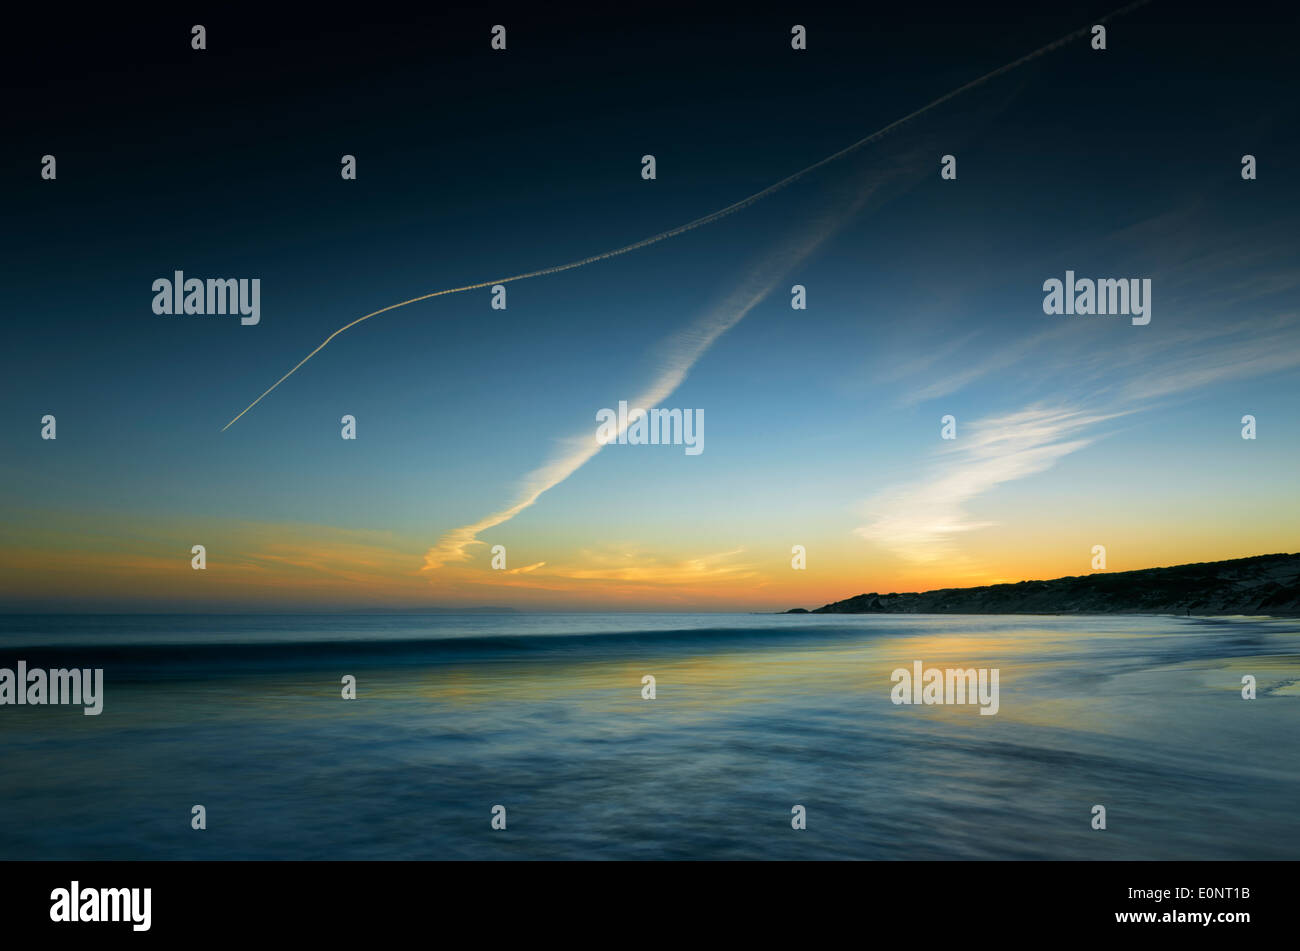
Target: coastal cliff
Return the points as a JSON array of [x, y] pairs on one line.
[[1263, 584]]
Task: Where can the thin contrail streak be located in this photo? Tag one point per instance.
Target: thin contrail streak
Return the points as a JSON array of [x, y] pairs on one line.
[[689, 346], [721, 213]]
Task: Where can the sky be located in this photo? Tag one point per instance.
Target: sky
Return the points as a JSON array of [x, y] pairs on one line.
[[476, 427]]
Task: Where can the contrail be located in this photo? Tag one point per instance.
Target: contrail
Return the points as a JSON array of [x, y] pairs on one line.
[[691, 346], [688, 346], [721, 213]]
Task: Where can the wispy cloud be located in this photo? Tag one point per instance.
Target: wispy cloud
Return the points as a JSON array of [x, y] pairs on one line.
[[918, 521], [526, 569], [994, 361], [1218, 355], [683, 353], [683, 350], [649, 569], [613, 573]]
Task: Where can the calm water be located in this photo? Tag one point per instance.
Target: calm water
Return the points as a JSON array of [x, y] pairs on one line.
[[544, 715]]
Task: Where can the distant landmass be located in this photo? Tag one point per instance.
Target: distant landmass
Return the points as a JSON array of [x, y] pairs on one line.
[[1263, 584]]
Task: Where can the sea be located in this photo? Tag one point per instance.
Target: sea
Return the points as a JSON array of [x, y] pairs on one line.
[[765, 737]]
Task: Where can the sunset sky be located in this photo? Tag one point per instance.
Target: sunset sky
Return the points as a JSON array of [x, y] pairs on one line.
[[822, 426]]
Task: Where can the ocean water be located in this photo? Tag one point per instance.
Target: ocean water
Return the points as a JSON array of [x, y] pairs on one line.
[[754, 714]]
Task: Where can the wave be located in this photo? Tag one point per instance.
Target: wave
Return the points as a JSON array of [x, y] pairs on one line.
[[215, 657]]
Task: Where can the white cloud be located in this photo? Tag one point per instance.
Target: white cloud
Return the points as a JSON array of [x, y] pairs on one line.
[[918, 520]]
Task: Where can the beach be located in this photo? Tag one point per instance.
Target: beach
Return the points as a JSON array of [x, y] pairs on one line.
[[752, 715]]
